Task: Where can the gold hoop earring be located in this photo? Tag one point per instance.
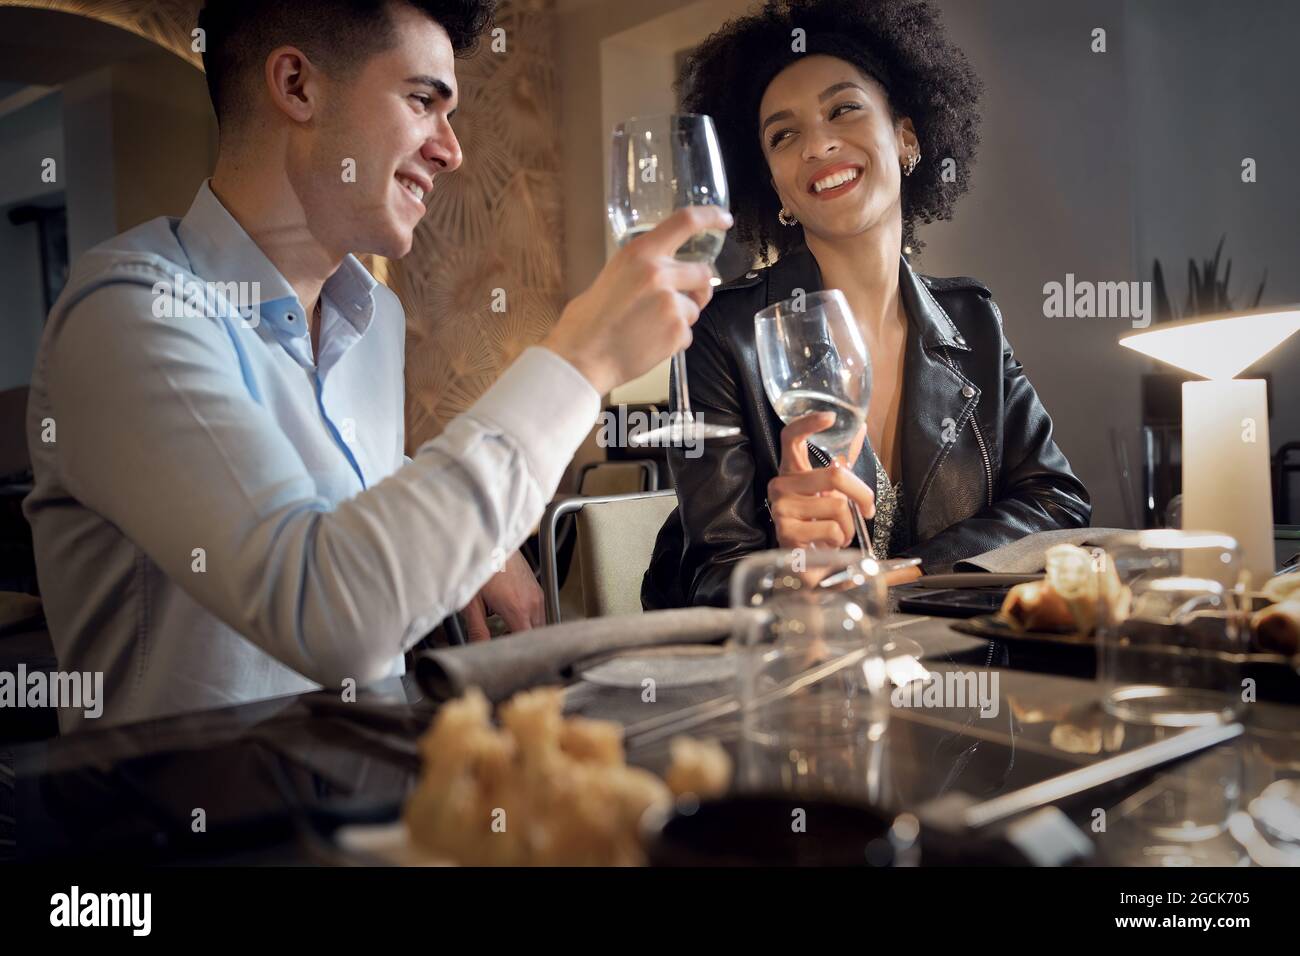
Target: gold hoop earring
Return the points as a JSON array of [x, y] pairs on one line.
[[785, 218]]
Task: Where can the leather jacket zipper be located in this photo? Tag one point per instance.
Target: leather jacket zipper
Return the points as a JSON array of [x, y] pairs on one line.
[[979, 436]]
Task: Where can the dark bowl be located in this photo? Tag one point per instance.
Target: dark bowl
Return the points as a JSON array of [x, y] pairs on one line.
[[755, 829]]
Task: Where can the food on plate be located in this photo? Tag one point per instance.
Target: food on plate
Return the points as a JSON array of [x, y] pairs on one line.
[[1277, 627], [541, 789], [1037, 607], [1283, 587], [1068, 597], [700, 767]]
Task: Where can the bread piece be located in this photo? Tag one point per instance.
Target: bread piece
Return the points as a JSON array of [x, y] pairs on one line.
[[1277, 627], [593, 741], [1037, 607], [701, 767], [1283, 587], [541, 790], [1071, 596]]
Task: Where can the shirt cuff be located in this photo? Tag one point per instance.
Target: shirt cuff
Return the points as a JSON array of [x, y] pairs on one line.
[[544, 404]]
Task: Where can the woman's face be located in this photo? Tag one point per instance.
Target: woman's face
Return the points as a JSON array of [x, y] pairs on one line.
[[832, 147]]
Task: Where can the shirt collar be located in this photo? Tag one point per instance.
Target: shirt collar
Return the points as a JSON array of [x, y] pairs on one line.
[[220, 250]]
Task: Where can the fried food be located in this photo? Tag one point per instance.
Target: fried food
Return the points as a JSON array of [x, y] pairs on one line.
[[1070, 596], [699, 767], [1277, 627], [541, 790], [1283, 587]]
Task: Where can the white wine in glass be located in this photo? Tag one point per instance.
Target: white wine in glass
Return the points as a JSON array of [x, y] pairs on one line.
[[813, 359], [659, 164]]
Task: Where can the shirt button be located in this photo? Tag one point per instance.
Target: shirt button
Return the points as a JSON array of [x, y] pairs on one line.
[[968, 392]]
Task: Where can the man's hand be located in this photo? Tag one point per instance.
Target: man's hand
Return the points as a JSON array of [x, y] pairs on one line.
[[641, 307], [512, 593], [810, 506]]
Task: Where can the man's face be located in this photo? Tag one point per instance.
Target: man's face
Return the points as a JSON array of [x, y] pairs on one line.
[[366, 167]]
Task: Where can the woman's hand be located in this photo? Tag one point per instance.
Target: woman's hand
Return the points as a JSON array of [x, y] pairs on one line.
[[810, 506]]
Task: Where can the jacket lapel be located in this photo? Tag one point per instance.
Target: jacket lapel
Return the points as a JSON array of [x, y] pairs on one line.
[[938, 400]]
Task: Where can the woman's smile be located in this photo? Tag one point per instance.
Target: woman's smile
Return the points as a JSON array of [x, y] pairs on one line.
[[834, 181]]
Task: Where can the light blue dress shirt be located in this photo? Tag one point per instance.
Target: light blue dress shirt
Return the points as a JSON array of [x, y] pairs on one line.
[[222, 516]]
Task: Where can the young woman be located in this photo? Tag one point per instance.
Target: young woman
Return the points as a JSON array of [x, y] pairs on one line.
[[844, 124]]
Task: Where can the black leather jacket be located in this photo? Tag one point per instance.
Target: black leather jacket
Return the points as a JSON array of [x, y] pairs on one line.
[[979, 466]]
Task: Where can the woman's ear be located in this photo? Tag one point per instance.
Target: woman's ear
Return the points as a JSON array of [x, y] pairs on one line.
[[907, 141]]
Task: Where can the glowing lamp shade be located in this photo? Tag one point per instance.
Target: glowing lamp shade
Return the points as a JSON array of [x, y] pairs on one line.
[[1217, 348], [1226, 482]]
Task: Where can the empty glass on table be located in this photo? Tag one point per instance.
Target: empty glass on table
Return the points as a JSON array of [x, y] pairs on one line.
[[1171, 628], [814, 682]]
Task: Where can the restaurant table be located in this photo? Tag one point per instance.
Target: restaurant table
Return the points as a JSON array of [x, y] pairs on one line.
[[266, 783]]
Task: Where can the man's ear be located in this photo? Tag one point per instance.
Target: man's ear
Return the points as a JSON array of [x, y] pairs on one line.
[[292, 83]]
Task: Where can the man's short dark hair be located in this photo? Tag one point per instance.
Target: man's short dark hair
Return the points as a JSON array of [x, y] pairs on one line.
[[337, 34]]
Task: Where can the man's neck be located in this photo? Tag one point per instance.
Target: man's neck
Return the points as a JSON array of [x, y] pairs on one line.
[[865, 269], [265, 205]]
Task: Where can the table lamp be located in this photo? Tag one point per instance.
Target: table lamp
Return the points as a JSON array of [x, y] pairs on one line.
[[1226, 479]]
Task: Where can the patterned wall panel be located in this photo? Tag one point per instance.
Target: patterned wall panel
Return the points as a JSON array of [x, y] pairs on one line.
[[496, 224]]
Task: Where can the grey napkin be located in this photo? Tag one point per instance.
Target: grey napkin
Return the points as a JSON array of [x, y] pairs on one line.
[[1026, 556], [544, 656]]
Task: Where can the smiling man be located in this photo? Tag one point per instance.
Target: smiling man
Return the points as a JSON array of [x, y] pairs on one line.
[[222, 510]]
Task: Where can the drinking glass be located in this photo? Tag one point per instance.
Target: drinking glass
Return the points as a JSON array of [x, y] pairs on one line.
[[660, 164], [813, 359], [814, 671], [1171, 627]]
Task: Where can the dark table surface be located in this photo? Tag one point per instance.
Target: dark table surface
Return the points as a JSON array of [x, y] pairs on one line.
[[269, 781]]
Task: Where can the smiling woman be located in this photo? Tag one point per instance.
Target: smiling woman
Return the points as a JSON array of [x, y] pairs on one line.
[[844, 124], [900, 46]]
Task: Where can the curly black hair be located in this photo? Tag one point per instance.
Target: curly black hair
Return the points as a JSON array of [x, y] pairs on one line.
[[900, 43], [239, 34]]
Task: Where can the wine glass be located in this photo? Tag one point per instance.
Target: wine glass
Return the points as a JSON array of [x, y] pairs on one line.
[[660, 164], [1172, 629], [814, 677], [813, 359]]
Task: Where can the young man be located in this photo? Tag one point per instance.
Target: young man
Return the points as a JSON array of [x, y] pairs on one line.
[[222, 509]]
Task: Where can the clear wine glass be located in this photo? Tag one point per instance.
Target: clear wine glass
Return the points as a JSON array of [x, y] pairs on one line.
[[813, 359], [814, 674], [659, 164]]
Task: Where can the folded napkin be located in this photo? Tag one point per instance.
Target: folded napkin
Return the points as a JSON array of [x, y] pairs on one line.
[[1026, 556], [504, 666]]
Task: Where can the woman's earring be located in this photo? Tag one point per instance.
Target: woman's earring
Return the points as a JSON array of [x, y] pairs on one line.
[[785, 218], [911, 163]]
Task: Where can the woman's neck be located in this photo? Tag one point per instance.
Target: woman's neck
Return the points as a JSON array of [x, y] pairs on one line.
[[865, 269]]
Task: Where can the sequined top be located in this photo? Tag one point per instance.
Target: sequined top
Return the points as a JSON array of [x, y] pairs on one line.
[[889, 527]]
